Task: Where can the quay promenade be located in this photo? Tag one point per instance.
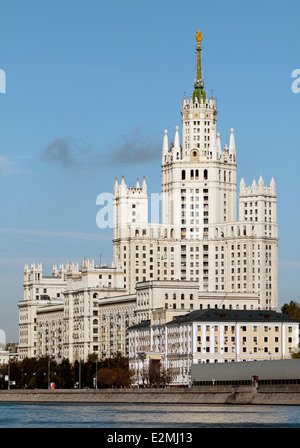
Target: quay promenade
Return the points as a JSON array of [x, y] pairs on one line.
[[264, 395]]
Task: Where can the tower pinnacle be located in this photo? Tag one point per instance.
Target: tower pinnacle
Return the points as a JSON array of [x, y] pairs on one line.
[[199, 92]]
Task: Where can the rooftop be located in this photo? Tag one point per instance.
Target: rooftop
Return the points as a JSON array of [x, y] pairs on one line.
[[226, 315]]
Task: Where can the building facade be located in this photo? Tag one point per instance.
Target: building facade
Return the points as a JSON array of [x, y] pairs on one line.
[[197, 256], [200, 238], [39, 291], [210, 336]]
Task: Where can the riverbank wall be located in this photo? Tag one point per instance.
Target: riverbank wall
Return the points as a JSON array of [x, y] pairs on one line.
[[264, 395]]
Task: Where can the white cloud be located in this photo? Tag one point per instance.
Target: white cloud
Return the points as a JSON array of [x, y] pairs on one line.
[[7, 165]]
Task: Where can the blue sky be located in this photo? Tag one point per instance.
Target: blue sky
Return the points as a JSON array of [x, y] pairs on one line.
[[90, 88]]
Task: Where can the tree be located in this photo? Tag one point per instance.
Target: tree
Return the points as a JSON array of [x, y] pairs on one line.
[[292, 309], [28, 367], [15, 372], [106, 377], [64, 375], [296, 352], [41, 374], [166, 377], [154, 373]]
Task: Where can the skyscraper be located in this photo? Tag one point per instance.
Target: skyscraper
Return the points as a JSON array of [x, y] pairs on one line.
[[197, 256], [199, 239]]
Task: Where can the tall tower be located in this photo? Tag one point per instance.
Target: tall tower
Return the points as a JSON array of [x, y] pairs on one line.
[[200, 239], [130, 206], [198, 178]]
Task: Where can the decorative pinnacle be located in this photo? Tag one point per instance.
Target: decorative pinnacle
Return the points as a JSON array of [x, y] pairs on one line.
[[198, 36], [198, 84]]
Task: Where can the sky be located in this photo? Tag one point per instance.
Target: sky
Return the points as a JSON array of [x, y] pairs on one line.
[[90, 87]]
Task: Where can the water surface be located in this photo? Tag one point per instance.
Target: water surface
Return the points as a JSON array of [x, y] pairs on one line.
[[45, 415]]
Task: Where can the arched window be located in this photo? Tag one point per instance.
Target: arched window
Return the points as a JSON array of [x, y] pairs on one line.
[[182, 296], [166, 296], [192, 174], [197, 174], [183, 175], [205, 175], [191, 297]]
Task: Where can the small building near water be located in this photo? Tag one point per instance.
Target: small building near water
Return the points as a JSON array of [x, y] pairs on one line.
[[279, 371]]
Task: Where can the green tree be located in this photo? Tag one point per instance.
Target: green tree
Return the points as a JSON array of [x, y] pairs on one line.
[[64, 375], [15, 372], [41, 374], [292, 309], [154, 373], [105, 377], [296, 352], [28, 372]]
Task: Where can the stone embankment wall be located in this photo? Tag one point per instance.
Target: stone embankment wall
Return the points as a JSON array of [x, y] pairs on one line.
[[264, 395]]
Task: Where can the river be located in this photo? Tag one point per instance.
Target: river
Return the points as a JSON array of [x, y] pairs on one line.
[[62, 415]]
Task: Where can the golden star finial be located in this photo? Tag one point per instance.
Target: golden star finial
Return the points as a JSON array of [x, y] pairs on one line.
[[198, 36]]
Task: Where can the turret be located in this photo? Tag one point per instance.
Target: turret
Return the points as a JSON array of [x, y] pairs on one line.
[[165, 148], [176, 150]]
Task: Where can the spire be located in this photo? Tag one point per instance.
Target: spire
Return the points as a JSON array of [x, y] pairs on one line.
[[165, 148], [273, 185], [144, 185], [260, 181], [176, 151], [199, 92], [122, 187], [116, 187], [176, 139], [137, 183], [242, 184], [166, 143], [232, 140]]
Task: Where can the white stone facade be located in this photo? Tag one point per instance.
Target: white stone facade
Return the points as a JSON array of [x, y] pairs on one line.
[[200, 238], [211, 336], [197, 256], [39, 291]]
